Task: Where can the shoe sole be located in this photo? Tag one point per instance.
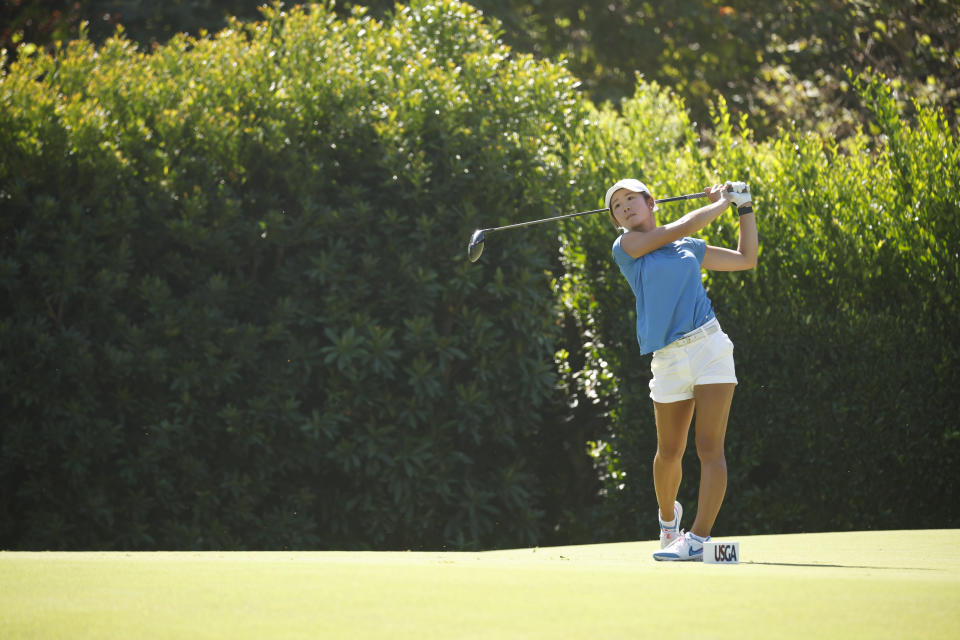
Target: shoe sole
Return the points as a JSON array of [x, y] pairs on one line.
[[664, 558]]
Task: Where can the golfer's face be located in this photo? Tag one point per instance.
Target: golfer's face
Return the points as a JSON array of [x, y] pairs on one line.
[[630, 209]]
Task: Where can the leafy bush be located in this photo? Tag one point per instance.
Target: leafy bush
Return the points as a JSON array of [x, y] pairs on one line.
[[239, 313], [781, 61], [240, 310], [846, 408]]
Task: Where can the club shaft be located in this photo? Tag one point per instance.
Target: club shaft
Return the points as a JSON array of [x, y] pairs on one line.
[[532, 222], [689, 196]]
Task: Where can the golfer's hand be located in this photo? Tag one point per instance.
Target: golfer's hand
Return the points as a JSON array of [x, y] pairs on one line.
[[737, 192], [715, 192]]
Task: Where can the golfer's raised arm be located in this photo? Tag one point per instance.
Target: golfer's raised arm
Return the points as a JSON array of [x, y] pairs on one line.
[[745, 256], [639, 243]]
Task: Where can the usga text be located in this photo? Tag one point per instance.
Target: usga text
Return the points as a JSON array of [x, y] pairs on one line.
[[725, 553]]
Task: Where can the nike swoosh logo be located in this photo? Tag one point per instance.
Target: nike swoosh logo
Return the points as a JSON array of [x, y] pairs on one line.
[[693, 552]]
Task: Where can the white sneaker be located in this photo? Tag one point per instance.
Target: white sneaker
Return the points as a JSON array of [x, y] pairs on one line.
[[669, 535], [685, 547]]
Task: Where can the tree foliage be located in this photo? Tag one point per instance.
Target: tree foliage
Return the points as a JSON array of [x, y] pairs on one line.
[[781, 62], [238, 313], [240, 310]]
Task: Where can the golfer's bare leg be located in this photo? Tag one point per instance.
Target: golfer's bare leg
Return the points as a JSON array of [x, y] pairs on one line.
[[673, 424], [713, 408]]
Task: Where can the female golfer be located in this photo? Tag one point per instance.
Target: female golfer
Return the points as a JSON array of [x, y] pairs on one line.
[[692, 357]]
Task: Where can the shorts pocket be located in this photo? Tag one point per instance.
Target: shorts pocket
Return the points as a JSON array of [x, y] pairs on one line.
[[723, 344], [717, 364], [664, 361]]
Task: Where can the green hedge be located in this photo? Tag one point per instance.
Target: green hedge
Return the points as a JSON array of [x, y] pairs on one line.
[[845, 334], [238, 310]]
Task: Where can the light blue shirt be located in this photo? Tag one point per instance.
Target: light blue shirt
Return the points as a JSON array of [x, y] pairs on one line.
[[671, 300]]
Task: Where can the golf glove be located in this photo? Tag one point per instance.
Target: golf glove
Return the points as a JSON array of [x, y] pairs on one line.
[[737, 192]]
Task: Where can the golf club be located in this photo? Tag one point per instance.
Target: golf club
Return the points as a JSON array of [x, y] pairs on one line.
[[475, 247]]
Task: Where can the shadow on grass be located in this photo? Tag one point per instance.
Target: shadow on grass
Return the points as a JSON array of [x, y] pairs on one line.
[[838, 566]]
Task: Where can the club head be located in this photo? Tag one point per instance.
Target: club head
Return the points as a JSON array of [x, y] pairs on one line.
[[475, 248]]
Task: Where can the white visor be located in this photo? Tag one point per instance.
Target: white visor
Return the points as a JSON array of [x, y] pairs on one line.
[[630, 184]]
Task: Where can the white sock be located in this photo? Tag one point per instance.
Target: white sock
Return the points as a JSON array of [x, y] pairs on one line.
[[696, 537], [669, 525]]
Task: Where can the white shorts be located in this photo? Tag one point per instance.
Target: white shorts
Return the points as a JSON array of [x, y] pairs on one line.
[[703, 356]]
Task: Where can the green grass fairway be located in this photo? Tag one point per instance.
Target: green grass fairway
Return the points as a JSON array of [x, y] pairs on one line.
[[888, 584]]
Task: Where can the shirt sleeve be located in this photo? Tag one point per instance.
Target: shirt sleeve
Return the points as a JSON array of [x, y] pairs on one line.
[[698, 246], [621, 257]]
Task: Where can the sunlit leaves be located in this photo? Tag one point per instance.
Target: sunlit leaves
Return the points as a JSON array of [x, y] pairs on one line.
[[236, 261]]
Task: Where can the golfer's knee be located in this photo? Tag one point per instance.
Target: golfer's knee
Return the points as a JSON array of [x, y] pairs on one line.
[[711, 452], [668, 454]]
